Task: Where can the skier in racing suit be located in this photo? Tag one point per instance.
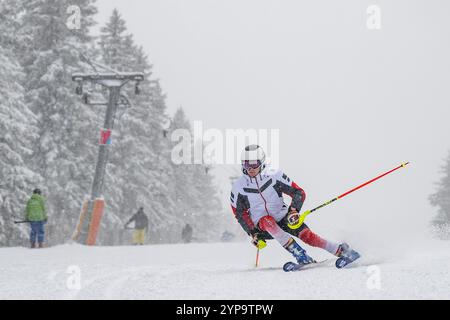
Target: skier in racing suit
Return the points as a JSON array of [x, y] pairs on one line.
[[257, 203]]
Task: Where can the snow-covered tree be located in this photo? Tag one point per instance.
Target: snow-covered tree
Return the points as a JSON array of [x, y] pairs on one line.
[[18, 130], [138, 166], [64, 151], [116, 45], [183, 190], [441, 200], [194, 192]]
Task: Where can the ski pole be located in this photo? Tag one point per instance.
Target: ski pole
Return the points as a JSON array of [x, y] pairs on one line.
[[307, 212], [24, 221], [257, 258]]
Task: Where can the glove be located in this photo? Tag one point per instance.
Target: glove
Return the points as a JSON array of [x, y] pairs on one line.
[[256, 241], [293, 218]]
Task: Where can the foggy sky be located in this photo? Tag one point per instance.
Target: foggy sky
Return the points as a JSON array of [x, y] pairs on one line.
[[350, 102]]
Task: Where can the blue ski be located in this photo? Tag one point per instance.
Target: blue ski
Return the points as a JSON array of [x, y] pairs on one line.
[[344, 261], [292, 266]]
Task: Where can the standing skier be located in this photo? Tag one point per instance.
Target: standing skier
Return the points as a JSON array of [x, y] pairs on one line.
[[186, 233], [36, 215], [140, 226], [257, 203]]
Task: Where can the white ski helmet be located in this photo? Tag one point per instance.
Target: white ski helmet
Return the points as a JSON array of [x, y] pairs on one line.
[[252, 156]]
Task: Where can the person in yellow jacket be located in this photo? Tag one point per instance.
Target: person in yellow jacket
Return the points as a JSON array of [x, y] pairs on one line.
[[140, 226], [36, 215]]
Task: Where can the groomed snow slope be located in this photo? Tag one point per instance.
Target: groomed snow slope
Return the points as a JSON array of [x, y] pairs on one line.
[[217, 271]]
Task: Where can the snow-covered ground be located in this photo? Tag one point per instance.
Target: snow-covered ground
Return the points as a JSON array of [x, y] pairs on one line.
[[217, 271]]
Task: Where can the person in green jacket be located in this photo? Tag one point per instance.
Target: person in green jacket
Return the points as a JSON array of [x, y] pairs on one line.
[[36, 215]]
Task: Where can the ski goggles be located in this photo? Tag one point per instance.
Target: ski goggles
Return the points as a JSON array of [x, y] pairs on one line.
[[251, 164]]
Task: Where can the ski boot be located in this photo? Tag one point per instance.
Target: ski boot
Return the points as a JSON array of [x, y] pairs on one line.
[[299, 254], [346, 255]]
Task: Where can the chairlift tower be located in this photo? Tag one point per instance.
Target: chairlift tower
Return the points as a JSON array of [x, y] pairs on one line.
[[92, 210]]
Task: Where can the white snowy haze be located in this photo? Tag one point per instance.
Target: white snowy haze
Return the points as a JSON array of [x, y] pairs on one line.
[[350, 102]]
